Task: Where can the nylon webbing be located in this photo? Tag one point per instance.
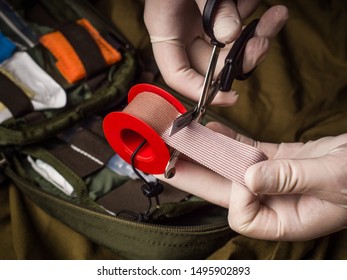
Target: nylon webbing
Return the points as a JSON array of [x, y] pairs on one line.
[[225, 156], [83, 152], [85, 46], [14, 98], [75, 159]]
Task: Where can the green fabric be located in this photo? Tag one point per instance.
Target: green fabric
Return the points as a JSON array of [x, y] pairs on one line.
[[95, 186], [332, 247], [297, 93], [103, 182], [27, 232], [130, 240]]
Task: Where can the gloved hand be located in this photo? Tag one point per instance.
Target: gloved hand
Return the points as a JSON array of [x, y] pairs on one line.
[[300, 193], [182, 50]]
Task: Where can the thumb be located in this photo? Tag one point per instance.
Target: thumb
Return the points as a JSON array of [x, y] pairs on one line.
[[227, 22], [318, 177]]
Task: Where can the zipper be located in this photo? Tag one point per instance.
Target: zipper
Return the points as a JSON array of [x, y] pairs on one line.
[[178, 229]]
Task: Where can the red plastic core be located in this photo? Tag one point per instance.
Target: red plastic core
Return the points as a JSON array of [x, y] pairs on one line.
[[125, 133]]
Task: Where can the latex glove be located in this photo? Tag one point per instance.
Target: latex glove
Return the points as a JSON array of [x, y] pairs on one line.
[[182, 50], [301, 190]]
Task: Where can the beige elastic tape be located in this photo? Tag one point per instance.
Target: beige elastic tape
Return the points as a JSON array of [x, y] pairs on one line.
[[223, 155]]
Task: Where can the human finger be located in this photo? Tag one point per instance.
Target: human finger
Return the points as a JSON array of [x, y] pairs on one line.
[[247, 7], [284, 218], [179, 74], [323, 177], [227, 22], [272, 21], [207, 184], [268, 27]]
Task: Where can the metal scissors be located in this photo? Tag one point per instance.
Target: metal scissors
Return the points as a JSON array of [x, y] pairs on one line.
[[232, 70]]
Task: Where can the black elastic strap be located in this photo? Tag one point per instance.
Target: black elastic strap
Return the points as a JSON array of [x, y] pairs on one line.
[[85, 47], [84, 152], [78, 162], [14, 98], [92, 144]]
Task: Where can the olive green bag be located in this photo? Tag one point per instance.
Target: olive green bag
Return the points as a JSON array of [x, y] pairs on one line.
[[107, 207]]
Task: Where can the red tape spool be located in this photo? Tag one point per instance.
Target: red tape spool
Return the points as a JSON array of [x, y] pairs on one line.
[[125, 132]]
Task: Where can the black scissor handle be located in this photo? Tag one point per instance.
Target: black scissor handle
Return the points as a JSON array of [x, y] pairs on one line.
[[234, 60], [208, 20]]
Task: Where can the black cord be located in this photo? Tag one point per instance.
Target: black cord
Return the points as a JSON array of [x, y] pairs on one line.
[[149, 189], [132, 160]]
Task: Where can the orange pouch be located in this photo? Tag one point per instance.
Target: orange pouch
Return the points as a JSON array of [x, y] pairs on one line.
[[80, 50]]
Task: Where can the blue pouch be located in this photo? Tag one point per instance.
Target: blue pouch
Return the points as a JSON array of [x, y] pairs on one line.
[[6, 47]]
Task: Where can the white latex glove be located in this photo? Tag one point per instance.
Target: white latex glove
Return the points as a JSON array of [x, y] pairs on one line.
[[182, 50], [301, 190]]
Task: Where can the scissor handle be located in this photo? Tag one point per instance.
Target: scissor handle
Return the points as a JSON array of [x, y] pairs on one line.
[[234, 59], [208, 20]]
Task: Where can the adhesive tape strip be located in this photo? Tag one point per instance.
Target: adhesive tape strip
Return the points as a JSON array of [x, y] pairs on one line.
[[149, 116]]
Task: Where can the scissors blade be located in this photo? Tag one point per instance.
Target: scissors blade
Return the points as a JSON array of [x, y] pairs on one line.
[[182, 121], [199, 110], [186, 118]]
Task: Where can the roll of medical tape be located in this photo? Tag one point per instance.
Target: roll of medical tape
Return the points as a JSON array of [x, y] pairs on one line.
[[149, 116], [149, 112]]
